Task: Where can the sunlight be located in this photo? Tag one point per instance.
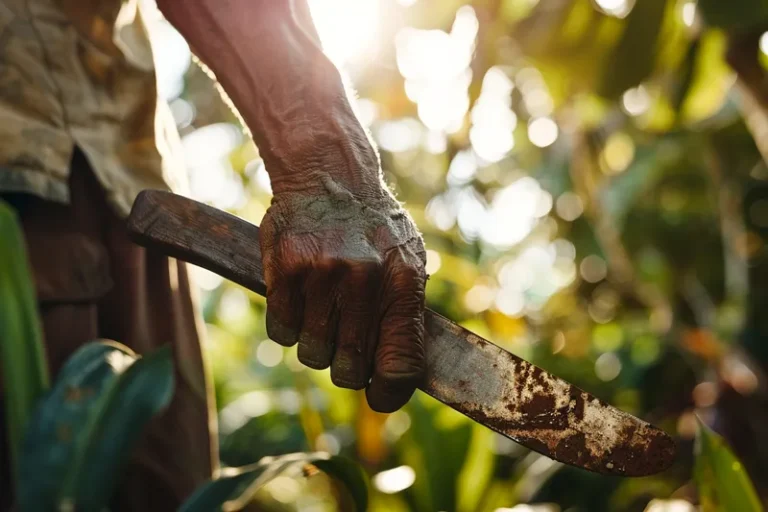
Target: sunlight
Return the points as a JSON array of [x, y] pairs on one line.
[[435, 65], [616, 8], [542, 131], [395, 479], [347, 28]]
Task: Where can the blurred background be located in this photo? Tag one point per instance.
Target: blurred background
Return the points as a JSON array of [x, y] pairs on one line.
[[589, 181]]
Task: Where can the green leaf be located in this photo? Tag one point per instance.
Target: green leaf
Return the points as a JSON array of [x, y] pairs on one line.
[[722, 481], [214, 494], [236, 490], [740, 16], [22, 355], [622, 192], [635, 55], [114, 427], [59, 420], [436, 447], [350, 474], [477, 472], [686, 75]]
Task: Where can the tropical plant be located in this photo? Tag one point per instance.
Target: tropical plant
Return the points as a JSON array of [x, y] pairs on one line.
[[69, 443]]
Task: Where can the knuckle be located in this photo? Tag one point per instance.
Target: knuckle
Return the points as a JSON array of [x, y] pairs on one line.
[[401, 364], [326, 263], [401, 372], [406, 294], [365, 265]]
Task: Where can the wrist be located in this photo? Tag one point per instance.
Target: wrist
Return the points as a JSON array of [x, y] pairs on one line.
[[334, 148]]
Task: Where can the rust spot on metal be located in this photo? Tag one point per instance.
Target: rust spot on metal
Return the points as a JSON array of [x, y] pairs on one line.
[[574, 448], [544, 413], [577, 398], [634, 451]]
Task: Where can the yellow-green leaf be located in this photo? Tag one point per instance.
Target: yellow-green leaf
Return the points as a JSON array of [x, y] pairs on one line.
[[22, 357], [722, 481]]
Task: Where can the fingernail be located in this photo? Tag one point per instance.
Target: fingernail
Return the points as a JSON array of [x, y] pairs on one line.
[[280, 333], [314, 354], [347, 373]]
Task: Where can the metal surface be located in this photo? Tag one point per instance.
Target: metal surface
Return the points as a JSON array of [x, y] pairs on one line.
[[537, 409], [464, 371]]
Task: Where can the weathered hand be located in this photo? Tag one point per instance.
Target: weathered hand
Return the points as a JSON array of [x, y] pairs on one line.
[[345, 279], [343, 262]]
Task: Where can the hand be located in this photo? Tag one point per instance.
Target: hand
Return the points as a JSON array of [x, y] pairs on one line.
[[345, 279]]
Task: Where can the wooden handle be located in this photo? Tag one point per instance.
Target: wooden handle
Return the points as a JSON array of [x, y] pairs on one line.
[[199, 234]]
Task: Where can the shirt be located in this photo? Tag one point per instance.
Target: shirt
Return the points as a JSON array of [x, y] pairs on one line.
[[80, 73]]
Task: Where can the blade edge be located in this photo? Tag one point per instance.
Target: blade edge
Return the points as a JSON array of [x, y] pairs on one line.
[[536, 409]]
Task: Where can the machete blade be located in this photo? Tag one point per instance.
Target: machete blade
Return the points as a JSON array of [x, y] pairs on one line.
[[472, 375], [536, 409]]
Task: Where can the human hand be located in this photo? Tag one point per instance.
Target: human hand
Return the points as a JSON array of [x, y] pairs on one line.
[[345, 279]]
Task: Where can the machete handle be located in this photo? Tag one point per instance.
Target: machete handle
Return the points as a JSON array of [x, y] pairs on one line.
[[464, 371], [199, 234]]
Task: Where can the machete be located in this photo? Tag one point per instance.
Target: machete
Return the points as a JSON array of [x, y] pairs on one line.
[[472, 375]]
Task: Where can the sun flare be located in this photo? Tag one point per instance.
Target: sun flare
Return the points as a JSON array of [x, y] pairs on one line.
[[348, 28]]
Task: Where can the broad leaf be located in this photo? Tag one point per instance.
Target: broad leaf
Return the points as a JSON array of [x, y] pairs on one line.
[[741, 16], [350, 474], [235, 490], [634, 57], [722, 481], [58, 423], [22, 355], [114, 427]]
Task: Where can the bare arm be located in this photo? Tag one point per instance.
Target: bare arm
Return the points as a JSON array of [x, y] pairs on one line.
[[344, 264]]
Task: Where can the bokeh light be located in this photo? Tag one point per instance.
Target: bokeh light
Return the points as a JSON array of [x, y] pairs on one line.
[[617, 8], [348, 29], [542, 131], [435, 65], [636, 101], [395, 479]]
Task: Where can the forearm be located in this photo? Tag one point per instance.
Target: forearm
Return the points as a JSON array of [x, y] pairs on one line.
[[265, 55]]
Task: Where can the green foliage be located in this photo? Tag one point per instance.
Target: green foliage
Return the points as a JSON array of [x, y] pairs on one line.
[[740, 16], [83, 431], [57, 428], [634, 57], [238, 488], [114, 425], [720, 477], [22, 356]]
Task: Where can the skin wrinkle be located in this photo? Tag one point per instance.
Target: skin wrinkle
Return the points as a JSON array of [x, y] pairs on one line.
[[343, 261]]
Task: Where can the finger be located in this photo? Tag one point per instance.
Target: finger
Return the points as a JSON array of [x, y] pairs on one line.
[[320, 319], [284, 276], [284, 309], [356, 337], [399, 363]]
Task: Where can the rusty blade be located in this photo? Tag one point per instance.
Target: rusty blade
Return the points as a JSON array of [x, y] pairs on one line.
[[536, 409], [464, 371]]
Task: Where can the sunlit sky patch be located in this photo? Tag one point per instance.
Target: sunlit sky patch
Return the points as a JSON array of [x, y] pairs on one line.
[[348, 29]]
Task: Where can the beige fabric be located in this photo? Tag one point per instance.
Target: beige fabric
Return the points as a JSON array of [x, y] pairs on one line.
[[81, 73]]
